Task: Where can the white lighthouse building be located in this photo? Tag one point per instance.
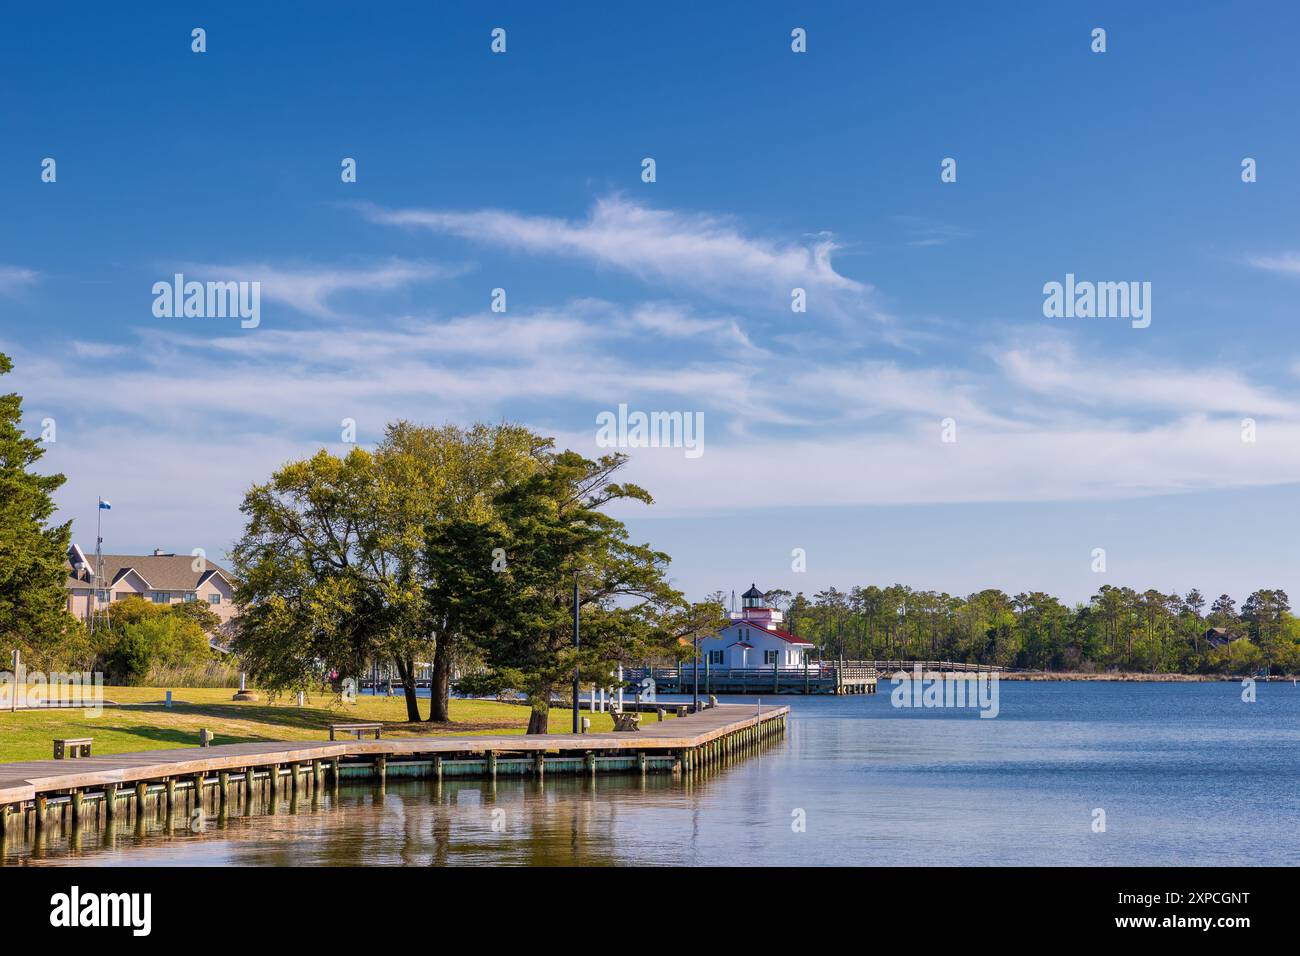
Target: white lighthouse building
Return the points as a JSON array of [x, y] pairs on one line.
[[753, 639]]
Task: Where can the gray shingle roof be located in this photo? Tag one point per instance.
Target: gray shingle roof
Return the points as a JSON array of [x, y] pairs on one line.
[[164, 572]]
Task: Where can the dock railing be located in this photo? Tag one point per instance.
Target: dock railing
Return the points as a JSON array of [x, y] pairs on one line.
[[815, 670]]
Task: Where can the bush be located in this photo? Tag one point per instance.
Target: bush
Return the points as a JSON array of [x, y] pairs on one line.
[[129, 659], [155, 640]]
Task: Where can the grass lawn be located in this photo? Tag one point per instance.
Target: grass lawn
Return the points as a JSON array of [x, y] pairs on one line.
[[146, 724]]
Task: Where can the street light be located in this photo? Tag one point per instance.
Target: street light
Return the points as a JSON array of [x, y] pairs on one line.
[[695, 672], [577, 644]]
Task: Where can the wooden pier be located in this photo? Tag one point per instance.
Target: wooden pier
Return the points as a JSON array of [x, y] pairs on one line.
[[824, 677], [846, 678], [100, 790]]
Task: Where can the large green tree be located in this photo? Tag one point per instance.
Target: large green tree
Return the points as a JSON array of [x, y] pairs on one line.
[[321, 582], [443, 474], [33, 553], [509, 581]]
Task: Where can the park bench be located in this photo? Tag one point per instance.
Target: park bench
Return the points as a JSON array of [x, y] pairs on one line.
[[70, 747], [359, 729], [626, 722]]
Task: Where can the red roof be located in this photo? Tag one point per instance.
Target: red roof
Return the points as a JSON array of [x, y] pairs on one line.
[[775, 632]]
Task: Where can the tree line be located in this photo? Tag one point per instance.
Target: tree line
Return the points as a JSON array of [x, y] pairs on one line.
[[1119, 628]]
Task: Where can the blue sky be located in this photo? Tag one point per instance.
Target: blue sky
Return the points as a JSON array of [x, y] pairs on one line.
[[775, 170]]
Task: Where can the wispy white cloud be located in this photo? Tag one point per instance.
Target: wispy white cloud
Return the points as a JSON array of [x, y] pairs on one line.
[[16, 278], [707, 253], [1056, 369], [678, 323], [309, 290], [923, 232], [1286, 262]]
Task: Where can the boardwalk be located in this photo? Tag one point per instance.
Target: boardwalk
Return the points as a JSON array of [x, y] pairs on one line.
[[96, 785]]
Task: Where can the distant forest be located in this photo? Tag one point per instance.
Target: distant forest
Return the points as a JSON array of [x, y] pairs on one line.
[[1118, 629]]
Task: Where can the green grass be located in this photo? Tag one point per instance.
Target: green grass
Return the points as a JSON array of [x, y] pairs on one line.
[[146, 724]]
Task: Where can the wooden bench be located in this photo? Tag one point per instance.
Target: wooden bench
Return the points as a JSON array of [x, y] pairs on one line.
[[358, 729], [69, 747], [626, 722]]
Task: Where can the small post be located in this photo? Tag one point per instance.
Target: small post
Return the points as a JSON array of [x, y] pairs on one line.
[[586, 725], [223, 780], [20, 681], [300, 698], [205, 737], [539, 764], [437, 767], [110, 801], [296, 770], [659, 712], [141, 796], [76, 807], [590, 760], [492, 764], [39, 803], [381, 768], [168, 703], [171, 793]]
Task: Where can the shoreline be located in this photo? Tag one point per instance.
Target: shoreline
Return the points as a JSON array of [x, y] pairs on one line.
[[1137, 677]]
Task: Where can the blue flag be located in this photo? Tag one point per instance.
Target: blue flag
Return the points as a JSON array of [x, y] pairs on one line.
[[106, 505]]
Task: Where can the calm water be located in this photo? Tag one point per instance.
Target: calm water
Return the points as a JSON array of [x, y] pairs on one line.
[[1186, 774]]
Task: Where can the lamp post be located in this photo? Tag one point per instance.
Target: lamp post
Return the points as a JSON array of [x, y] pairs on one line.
[[695, 672], [577, 644]]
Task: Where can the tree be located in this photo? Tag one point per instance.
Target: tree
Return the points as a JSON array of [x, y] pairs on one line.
[[33, 554], [322, 587], [549, 531], [444, 475], [1193, 603], [1264, 612]]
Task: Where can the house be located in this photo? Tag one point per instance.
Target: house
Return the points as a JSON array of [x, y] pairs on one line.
[[754, 639], [160, 577], [1218, 637]]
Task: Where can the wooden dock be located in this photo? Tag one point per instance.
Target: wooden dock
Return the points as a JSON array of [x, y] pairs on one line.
[[840, 678], [43, 793]]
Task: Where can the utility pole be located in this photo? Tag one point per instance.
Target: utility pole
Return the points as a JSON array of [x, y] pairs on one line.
[[577, 645], [98, 619]]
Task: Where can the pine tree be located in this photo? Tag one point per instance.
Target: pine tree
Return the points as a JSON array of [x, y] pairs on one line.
[[33, 600]]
